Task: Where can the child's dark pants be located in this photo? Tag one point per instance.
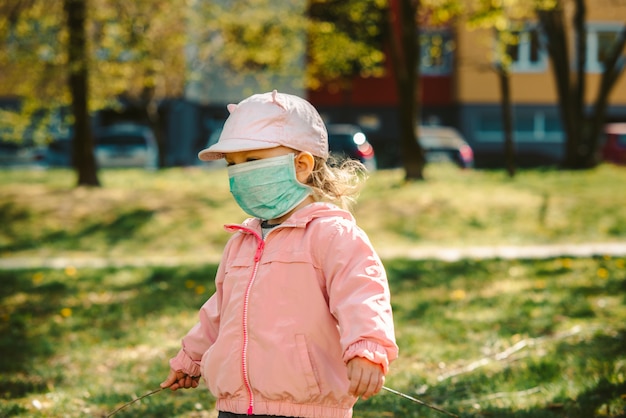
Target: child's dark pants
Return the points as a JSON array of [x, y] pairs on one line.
[[223, 414]]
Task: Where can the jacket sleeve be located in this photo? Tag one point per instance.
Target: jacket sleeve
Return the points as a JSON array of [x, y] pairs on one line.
[[202, 335], [359, 295]]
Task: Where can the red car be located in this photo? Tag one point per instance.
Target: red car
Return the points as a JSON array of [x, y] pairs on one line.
[[614, 148]]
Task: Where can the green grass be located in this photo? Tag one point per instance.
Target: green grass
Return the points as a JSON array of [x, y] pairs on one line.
[[180, 212], [481, 338], [503, 338], [467, 208]]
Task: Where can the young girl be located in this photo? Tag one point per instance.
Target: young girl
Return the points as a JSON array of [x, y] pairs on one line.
[[300, 324]]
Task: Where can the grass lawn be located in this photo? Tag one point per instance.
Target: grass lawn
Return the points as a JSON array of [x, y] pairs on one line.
[[480, 338], [180, 212], [493, 338]]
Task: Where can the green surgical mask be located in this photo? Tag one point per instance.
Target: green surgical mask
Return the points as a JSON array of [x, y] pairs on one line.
[[267, 188]]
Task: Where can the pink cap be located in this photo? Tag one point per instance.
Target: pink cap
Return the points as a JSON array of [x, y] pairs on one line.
[[270, 120]]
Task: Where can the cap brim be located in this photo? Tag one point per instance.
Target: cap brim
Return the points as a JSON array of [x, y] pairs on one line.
[[217, 151]]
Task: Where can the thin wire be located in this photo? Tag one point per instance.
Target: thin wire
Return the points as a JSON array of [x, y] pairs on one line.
[[133, 401], [436, 408], [395, 392]]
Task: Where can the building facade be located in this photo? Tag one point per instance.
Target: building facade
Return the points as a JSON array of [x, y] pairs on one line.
[[538, 132], [460, 88]]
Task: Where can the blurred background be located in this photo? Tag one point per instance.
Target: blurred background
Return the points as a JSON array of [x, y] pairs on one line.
[[507, 266], [101, 83]]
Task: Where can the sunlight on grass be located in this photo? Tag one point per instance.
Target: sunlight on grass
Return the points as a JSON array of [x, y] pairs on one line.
[[94, 340], [180, 212], [485, 208], [506, 338], [513, 336], [493, 338]]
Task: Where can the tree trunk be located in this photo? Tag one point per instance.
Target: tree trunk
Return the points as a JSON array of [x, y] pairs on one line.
[[507, 120], [154, 118], [552, 22], [579, 152], [83, 145], [150, 107], [582, 128], [613, 69], [404, 53]]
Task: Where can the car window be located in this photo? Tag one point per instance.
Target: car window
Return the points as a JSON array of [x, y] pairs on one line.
[[135, 140], [8, 146], [436, 141], [340, 142]]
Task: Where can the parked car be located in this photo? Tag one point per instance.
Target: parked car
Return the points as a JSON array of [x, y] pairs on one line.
[[120, 145], [126, 145], [348, 141], [614, 147], [443, 143], [59, 153], [20, 155], [214, 136]]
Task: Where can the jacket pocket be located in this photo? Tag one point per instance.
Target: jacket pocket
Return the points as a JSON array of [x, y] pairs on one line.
[[308, 370], [221, 369]]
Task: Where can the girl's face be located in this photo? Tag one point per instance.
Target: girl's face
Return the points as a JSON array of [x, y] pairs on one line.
[[304, 161]]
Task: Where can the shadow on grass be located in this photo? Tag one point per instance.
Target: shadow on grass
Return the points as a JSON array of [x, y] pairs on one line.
[[44, 311], [503, 301], [477, 394], [110, 232]]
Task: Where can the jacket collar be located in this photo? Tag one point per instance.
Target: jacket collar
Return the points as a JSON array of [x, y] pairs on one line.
[[301, 217]]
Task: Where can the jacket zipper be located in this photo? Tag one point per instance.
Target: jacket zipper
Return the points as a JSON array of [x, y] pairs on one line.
[[244, 348]]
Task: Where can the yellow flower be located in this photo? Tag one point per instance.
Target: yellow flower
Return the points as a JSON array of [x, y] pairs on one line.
[[189, 284], [37, 277], [603, 273], [620, 264], [71, 271], [566, 263], [458, 294], [66, 312], [200, 289]]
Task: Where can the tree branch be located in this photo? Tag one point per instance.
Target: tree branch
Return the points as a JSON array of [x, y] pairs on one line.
[[506, 354]]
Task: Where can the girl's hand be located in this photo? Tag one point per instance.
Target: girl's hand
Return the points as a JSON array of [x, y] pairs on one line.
[[177, 379], [366, 378]]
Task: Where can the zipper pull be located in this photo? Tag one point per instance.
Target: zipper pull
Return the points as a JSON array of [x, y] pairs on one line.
[[259, 250]]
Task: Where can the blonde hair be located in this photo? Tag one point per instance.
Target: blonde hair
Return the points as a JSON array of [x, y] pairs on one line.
[[337, 181]]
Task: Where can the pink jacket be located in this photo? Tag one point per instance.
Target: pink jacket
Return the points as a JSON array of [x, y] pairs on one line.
[[288, 313]]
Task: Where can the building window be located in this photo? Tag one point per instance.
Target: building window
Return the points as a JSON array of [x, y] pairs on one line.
[[525, 51], [528, 126], [436, 52], [600, 41]]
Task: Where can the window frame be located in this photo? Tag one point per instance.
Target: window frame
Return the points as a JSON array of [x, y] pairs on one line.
[[448, 48], [540, 132], [524, 64], [592, 61]]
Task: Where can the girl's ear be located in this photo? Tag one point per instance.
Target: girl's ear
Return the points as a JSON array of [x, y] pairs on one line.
[[304, 163]]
